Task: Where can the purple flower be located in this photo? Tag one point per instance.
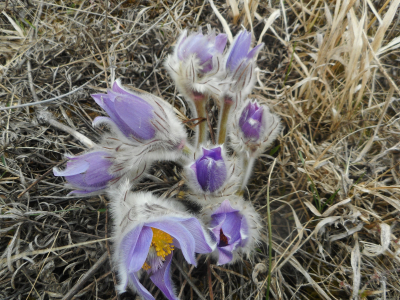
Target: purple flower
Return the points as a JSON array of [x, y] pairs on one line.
[[239, 51], [132, 114], [250, 121], [240, 63], [205, 47], [230, 229], [210, 170], [88, 172], [148, 230]]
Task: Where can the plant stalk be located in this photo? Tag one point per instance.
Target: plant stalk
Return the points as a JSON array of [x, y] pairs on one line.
[[223, 120], [200, 104], [248, 164]]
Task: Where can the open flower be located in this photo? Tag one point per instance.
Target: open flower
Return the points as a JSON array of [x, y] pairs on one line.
[[209, 172], [196, 60], [147, 231], [235, 226], [254, 128], [240, 63], [88, 173]]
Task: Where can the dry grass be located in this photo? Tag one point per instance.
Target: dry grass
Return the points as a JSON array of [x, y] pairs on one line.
[[329, 69]]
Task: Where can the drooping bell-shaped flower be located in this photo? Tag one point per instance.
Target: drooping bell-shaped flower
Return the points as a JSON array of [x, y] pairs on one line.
[[144, 128], [196, 62], [209, 172], [235, 226], [132, 114], [254, 128], [88, 173], [147, 231], [240, 64]]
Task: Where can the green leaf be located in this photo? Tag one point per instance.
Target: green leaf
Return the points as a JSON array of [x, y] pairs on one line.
[[274, 150]]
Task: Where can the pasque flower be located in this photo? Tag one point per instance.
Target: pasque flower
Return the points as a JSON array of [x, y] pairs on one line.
[[235, 226], [144, 128], [88, 173], [147, 231], [240, 63], [197, 58], [209, 172], [139, 115], [250, 121], [254, 128]]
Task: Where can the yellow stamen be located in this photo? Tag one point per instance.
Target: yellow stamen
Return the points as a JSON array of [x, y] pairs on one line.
[[145, 266], [161, 243]]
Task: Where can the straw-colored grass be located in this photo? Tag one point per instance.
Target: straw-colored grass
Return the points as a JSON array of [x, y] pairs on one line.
[[330, 69]]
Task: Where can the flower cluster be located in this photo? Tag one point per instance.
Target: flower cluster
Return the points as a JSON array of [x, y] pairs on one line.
[[142, 129]]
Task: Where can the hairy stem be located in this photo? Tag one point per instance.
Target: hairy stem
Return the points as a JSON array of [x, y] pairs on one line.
[[200, 101], [248, 164], [223, 120]]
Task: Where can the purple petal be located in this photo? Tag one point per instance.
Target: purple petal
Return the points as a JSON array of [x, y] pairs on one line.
[[251, 129], [258, 114], [254, 51], [225, 207], [239, 50], [138, 254], [210, 169], [128, 244], [106, 102], [216, 223], [213, 153], [224, 256], [140, 288], [195, 228], [137, 114], [244, 232], [218, 176], [73, 168], [220, 42], [117, 88], [162, 279], [203, 170], [184, 238], [98, 174], [231, 226]]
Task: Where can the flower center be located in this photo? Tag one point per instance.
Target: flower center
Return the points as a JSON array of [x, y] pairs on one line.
[[223, 239], [161, 244]]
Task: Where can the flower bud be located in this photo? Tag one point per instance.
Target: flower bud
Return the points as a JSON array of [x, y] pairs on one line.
[[240, 63], [196, 63], [250, 121], [210, 171], [254, 128], [87, 173]]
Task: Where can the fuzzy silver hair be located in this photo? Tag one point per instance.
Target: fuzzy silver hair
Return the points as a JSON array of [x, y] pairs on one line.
[[186, 73], [133, 157]]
